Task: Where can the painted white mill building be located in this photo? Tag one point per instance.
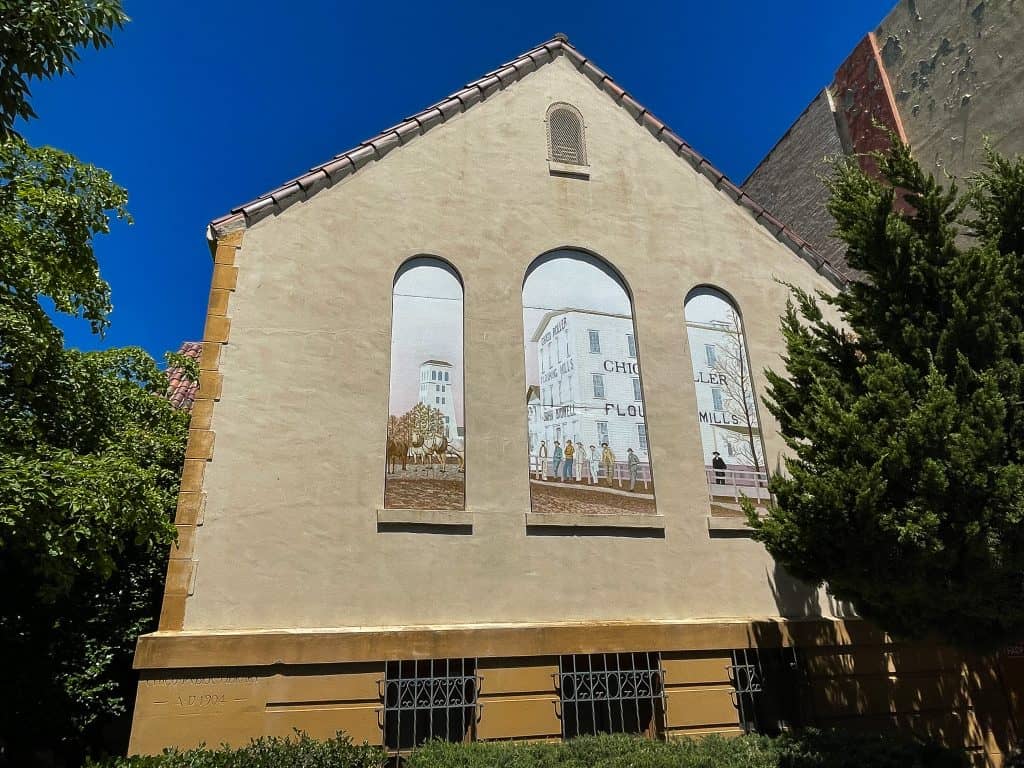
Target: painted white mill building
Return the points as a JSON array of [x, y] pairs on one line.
[[589, 387]]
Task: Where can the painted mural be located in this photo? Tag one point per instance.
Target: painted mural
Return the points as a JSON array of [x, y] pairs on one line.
[[726, 406], [588, 450], [426, 437]]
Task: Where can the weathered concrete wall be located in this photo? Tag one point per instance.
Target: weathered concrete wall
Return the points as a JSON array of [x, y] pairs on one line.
[[947, 73], [789, 182], [290, 538], [956, 70]]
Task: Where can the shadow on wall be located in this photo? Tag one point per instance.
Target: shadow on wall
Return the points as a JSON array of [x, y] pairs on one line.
[[793, 598], [797, 600], [855, 677]]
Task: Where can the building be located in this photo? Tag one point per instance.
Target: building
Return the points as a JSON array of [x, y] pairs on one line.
[[589, 382], [295, 598], [436, 390], [943, 76]]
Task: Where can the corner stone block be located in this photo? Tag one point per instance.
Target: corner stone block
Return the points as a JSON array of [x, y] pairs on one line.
[[218, 304], [200, 444], [209, 357], [185, 546], [218, 328], [172, 613], [190, 508], [225, 254], [179, 577], [202, 414], [224, 277], [192, 475], [209, 385], [233, 239]]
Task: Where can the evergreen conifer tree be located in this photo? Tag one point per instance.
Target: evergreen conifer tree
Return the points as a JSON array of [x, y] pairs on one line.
[[902, 403]]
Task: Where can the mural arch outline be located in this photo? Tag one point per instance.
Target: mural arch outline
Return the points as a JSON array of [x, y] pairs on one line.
[[587, 430], [426, 439]]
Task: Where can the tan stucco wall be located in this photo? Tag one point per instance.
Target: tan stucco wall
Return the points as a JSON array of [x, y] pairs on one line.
[[290, 538], [955, 69]]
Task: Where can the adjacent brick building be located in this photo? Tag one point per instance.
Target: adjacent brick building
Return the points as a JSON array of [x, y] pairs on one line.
[[943, 75]]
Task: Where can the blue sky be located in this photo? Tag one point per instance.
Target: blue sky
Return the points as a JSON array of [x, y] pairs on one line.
[[199, 107]]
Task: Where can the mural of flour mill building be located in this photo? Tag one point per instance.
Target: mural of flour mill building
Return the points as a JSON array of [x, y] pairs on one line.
[[343, 564], [590, 388]]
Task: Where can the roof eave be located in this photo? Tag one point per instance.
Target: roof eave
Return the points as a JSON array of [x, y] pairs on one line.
[[347, 163]]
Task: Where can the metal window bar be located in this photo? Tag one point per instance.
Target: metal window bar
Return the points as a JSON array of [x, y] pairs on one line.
[[611, 693], [766, 685], [746, 676], [428, 699]]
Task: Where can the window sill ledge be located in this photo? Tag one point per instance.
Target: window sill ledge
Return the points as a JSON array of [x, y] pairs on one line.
[[567, 169], [577, 520], [425, 517], [729, 527]]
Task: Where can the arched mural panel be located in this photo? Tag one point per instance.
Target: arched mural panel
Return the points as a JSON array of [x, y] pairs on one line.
[[426, 438], [726, 404], [588, 449]]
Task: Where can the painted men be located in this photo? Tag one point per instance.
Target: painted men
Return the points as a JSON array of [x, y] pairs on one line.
[[633, 464], [720, 466], [542, 461], [595, 461], [570, 451], [581, 460], [608, 463], [556, 459]]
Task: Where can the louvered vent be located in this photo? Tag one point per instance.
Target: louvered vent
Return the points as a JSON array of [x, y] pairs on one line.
[[565, 136]]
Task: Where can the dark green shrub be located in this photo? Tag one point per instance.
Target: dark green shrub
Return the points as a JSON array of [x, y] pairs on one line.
[[809, 749], [841, 749], [299, 751]]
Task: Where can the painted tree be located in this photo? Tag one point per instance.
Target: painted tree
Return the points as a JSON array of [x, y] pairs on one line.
[[902, 402], [426, 420], [738, 388]]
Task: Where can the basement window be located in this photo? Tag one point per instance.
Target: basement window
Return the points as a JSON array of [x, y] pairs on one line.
[[426, 700], [611, 693], [766, 683]]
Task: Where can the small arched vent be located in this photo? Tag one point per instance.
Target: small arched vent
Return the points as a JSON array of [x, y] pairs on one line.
[[565, 135]]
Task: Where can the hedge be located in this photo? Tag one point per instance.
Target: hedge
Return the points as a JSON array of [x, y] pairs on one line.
[[809, 749]]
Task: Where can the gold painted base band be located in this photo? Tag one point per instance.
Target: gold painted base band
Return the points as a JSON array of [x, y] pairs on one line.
[[199, 649], [217, 687]]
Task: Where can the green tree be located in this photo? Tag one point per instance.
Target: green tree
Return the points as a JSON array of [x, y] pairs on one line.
[[902, 402], [40, 39], [90, 458]]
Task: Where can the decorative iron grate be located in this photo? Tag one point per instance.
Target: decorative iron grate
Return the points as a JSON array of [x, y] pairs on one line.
[[611, 693], [425, 700], [766, 685], [565, 133]]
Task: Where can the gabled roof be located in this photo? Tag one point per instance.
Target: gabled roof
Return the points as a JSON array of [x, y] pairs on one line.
[[552, 314], [327, 174]]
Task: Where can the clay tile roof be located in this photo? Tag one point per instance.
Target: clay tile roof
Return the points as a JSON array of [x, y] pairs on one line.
[[180, 391], [375, 148]]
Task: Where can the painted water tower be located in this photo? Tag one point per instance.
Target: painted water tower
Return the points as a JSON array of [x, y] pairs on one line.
[[437, 391]]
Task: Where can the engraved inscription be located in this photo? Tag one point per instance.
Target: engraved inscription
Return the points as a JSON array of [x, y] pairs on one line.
[[177, 681], [201, 701]]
